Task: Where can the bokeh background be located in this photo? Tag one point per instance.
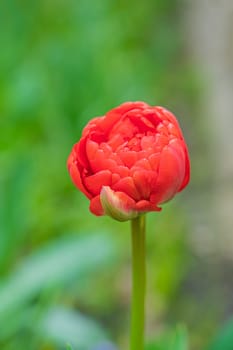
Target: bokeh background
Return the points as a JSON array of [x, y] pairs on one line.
[[65, 274]]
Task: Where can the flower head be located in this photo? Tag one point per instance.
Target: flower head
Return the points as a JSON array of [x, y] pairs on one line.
[[130, 161]]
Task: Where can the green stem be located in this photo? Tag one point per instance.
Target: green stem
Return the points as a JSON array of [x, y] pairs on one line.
[[138, 283]]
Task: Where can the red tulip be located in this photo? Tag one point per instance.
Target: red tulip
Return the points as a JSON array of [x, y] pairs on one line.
[[130, 161]]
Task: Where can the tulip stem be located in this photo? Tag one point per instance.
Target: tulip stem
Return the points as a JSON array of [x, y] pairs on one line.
[[138, 283]]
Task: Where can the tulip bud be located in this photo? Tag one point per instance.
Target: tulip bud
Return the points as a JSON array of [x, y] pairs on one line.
[[130, 161]]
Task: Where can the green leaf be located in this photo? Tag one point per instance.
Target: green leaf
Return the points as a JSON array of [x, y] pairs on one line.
[[224, 339]]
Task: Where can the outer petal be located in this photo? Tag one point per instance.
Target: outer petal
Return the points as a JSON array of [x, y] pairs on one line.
[[117, 204], [95, 182], [170, 177], [91, 149], [76, 177], [127, 186], [93, 124], [108, 122], [70, 160], [145, 206], [101, 163], [187, 170], [96, 206], [145, 181], [165, 114], [80, 151], [181, 150]]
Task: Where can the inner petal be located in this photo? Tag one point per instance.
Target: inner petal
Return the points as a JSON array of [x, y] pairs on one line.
[[147, 142], [129, 158], [95, 182], [145, 181], [100, 162], [125, 128], [127, 185]]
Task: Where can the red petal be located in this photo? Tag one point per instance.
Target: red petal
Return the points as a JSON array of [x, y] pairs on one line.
[[95, 182], [123, 171], [127, 106], [80, 149], [115, 141], [115, 178], [142, 164], [113, 116], [177, 146], [187, 170], [128, 157], [137, 119], [182, 152], [96, 206], [91, 149], [76, 177], [170, 177], [145, 182], [152, 115], [70, 160], [127, 186], [167, 115], [92, 125], [101, 163], [173, 130], [147, 142], [145, 206], [124, 129], [154, 160]]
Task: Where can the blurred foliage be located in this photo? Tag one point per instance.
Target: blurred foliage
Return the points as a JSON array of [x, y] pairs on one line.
[[62, 63], [173, 340], [224, 339], [27, 292]]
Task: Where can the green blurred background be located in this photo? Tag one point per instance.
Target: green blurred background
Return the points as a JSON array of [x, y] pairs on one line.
[[65, 274]]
